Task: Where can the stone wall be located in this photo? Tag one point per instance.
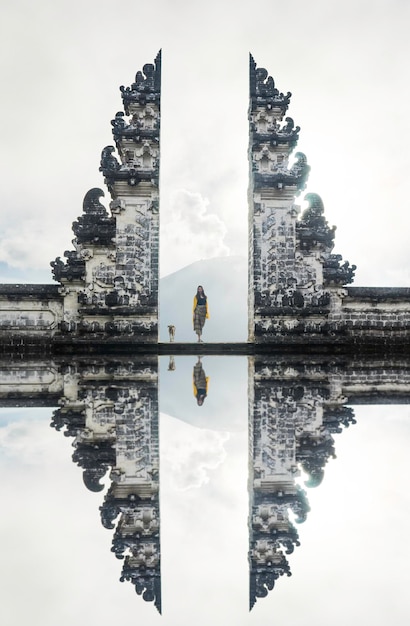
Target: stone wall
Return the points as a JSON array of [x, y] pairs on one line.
[[29, 314]]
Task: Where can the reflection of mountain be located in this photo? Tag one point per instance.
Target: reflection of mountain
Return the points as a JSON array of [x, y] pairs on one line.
[[225, 282], [227, 392]]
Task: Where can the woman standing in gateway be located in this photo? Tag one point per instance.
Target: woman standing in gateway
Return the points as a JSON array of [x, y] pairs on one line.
[[201, 312]]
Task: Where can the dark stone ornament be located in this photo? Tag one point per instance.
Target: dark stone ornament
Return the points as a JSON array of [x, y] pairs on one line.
[[335, 418], [119, 125], [288, 135], [263, 577], [113, 171], [113, 506], [134, 131], [95, 226], [147, 85], [73, 421], [263, 91], [313, 454], [108, 163], [286, 538], [147, 583], [337, 273], [74, 269], [313, 230], [297, 502], [296, 176], [95, 459]]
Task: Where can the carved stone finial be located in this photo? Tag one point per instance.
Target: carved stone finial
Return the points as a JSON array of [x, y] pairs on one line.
[[313, 229], [95, 226], [263, 91], [147, 85], [109, 163], [91, 202]]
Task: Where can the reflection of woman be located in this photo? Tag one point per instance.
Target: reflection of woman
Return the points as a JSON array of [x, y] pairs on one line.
[[200, 382], [201, 312]]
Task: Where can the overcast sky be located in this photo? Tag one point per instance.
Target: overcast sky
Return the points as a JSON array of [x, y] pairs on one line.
[[346, 64]]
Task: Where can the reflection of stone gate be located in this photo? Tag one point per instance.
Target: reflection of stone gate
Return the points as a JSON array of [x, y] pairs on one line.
[[107, 291], [296, 405], [109, 406]]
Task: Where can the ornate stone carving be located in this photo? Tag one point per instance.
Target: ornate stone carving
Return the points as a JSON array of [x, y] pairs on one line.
[[109, 163], [146, 582], [336, 272], [313, 229], [281, 177], [143, 125], [263, 91], [71, 420], [95, 458], [74, 269], [263, 576], [267, 131], [119, 125], [95, 226], [146, 87]]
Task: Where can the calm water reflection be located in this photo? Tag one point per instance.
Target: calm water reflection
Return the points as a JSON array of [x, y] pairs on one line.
[[239, 472]]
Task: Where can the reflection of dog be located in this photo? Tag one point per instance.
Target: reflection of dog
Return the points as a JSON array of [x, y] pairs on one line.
[[171, 330]]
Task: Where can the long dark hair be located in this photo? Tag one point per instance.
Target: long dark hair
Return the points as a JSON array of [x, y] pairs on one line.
[[198, 295]]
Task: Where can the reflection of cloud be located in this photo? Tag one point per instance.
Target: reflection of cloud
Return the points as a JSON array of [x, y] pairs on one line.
[[191, 232], [190, 453], [28, 442]]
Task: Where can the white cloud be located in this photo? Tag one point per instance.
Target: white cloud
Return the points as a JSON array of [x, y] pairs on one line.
[[190, 231], [190, 454]]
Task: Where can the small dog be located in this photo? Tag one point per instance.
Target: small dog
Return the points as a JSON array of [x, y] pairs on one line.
[[171, 330]]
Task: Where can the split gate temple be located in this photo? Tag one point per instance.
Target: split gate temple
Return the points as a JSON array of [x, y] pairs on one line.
[[88, 343]]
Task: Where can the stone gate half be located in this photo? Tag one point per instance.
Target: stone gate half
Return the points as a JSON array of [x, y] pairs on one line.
[[108, 284], [299, 290]]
